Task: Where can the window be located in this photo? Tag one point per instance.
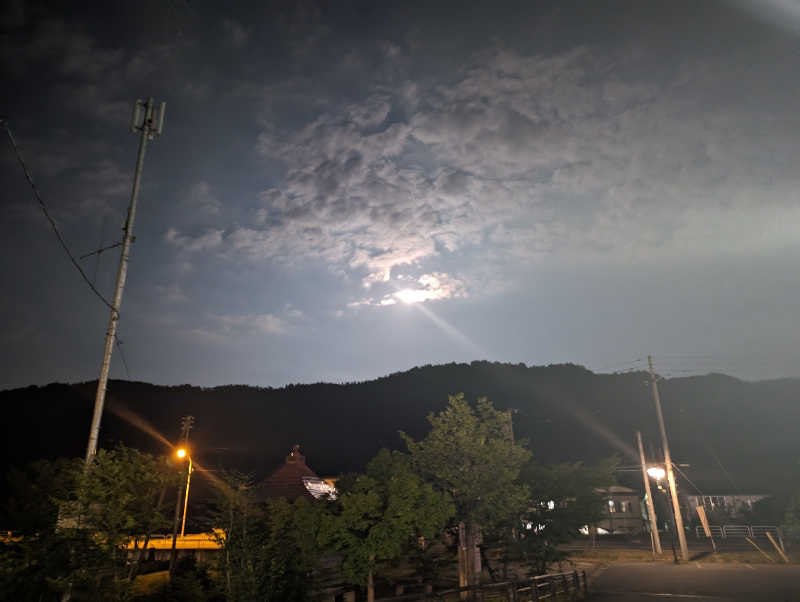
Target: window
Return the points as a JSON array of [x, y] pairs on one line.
[[624, 507], [612, 507]]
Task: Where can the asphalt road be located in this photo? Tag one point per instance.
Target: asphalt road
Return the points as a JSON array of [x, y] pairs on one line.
[[695, 582]]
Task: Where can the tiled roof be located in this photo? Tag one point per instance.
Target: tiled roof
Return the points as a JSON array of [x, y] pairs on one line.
[[287, 481]]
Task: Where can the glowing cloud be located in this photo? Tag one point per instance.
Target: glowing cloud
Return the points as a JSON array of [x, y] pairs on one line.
[[408, 295], [431, 287]]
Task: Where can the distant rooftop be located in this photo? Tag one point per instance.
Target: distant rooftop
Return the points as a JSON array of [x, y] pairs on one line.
[[295, 479]]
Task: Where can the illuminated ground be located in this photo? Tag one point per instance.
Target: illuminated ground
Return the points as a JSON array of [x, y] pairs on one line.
[[696, 581]]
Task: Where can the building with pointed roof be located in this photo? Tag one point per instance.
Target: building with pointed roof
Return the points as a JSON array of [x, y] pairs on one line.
[[294, 479]]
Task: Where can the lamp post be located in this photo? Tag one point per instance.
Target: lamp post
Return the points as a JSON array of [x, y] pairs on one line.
[[186, 425], [182, 454], [658, 473]]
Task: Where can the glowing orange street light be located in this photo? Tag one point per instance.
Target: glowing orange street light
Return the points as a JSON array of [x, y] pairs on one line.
[[182, 453], [658, 473]]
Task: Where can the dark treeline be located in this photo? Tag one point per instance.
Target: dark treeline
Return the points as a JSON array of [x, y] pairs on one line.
[[736, 435], [464, 505]]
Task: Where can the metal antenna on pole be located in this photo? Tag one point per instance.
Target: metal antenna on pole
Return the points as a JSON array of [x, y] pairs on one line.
[[149, 122], [673, 490]]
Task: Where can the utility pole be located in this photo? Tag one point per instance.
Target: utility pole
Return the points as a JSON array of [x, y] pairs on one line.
[[186, 495], [187, 422], [673, 490], [149, 122], [656, 540]]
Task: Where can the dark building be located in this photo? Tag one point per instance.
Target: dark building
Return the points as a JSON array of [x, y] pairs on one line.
[[295, 479]]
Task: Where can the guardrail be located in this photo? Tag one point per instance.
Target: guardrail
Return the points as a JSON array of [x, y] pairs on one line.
[[729, 531], [738, 531], [762, 530], [555, 586]]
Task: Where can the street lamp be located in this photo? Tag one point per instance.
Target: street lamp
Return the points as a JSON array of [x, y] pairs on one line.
[[658, 473], [186, 425], [182, 453]]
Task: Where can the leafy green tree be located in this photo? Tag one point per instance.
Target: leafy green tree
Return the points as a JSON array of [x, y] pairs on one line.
[[381, 514], [38, 556], [563, 498], [117, 499], [269, 550], [74, 536], [30, 506], [191, 582], [471, 455], [236, 510]]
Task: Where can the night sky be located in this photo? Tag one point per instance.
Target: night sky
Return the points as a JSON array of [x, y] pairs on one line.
[[348, 189]]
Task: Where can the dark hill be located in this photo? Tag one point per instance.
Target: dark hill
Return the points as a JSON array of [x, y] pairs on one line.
[[716, 423]]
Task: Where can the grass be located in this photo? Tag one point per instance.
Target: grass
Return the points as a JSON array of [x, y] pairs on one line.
[[150, 583], [616, 555]]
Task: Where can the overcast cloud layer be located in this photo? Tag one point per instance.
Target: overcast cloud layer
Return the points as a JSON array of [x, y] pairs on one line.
[[347, 190]]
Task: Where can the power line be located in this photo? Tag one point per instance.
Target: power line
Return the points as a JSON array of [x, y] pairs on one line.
[[122, 355], [618, 366], [97, 257], [683, 474], [99, 251], [724, 471], [37, 194]]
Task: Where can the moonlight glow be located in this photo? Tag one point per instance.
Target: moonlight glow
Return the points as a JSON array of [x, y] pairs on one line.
[[602, 180], [409, 295]]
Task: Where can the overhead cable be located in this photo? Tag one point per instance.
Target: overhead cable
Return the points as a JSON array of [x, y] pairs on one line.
[[37, 194]]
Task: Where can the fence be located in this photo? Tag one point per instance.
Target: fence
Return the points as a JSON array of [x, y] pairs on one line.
[[739, 531], [556, 586]]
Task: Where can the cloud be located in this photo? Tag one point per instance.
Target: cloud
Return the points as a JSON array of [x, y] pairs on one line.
[[293, 313], [87, 76], [232, 328], [206, 241], [515, 161], [366, 193], [201, 198], [105, 185], [428, 287], [264, 323], [172, 293], [75, 53], [236, 33]]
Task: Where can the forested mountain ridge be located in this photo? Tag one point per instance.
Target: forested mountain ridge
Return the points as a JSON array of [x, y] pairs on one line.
[[736, 435]]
